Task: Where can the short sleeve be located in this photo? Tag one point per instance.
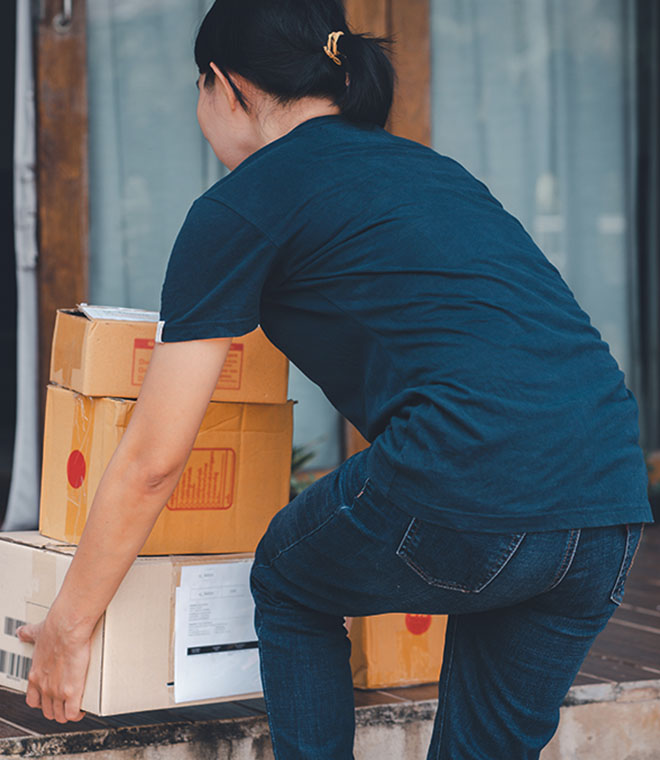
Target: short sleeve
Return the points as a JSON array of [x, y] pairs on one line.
[[216, 272]]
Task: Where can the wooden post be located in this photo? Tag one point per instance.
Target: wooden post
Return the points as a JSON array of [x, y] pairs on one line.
[[371, 16], [62, 183], [410, 24]]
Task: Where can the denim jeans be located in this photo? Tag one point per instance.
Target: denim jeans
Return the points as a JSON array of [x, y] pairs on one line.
[[524, 609]]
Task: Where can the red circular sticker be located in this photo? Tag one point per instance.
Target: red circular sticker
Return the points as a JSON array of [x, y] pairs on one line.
[[76, 468], [418, 624]]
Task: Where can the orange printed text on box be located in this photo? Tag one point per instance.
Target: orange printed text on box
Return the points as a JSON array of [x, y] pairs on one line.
[[207, 482], [230, 378]]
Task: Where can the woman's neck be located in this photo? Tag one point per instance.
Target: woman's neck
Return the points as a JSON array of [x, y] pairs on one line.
[[271, 121]]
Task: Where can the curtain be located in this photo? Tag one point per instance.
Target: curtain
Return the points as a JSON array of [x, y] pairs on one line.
[[536, 98], [149, 161], [23, 502]]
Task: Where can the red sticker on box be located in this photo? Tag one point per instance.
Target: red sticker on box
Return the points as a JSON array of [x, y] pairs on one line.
[[418, 624], [207, 482], [76, 469]]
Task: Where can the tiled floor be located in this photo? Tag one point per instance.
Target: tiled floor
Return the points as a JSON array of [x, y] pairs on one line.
[[627, 650]]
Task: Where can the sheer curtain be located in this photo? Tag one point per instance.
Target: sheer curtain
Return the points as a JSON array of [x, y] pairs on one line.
[[535, 97], [149, 161]]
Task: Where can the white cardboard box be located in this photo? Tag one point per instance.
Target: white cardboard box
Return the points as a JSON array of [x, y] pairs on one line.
[[178, 631]]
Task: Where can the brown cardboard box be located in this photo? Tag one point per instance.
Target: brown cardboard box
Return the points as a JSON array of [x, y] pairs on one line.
[[236, 479], [149, 650], [396, 650], [103, 351]]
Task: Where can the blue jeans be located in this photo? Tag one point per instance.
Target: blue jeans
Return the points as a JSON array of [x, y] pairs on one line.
[[524, 609]]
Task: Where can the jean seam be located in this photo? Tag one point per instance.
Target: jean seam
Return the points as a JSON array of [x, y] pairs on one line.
[[408, 536], [311, 533], [442, 698], [625, 566], [321, 525], [567, 559]]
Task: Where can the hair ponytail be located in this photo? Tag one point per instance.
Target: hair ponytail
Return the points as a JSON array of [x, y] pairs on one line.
[[278, 45], [368, 95]]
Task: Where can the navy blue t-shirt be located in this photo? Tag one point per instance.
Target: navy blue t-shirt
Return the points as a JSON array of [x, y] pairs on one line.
[[393, 278]]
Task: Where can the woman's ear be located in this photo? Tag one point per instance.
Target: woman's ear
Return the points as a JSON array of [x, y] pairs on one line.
[[226, 87]]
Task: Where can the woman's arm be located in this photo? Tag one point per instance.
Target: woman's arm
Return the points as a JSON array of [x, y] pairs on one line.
[[135, 487]]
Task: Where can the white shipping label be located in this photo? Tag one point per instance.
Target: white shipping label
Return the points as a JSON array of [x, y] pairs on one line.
[[215, 644]]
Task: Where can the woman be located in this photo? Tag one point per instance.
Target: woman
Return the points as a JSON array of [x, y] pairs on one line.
[[504, 484]]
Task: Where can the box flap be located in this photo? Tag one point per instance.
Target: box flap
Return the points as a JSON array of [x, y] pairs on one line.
[[34, 539], [118, 313]]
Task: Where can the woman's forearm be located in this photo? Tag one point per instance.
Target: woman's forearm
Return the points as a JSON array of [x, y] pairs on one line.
[[125, 508]]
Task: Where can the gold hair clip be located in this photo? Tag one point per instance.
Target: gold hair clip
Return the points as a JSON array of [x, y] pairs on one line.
[[330, 48]]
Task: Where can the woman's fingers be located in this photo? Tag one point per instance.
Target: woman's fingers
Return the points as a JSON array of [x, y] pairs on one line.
[[58, 710], [56, 680], [47, 707], [28, 633], [72, 710], [33, 696]]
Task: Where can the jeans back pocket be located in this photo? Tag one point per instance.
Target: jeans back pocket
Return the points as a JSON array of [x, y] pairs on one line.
[[465, 561], [634, 533]]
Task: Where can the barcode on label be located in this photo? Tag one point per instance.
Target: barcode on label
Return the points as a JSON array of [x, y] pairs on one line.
[[15, 664], [11, 625]]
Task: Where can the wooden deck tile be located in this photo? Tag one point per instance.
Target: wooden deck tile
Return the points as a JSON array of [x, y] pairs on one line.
[[582, 679], [8, 730], [629, 643], [194, 713], [415, 693], [14, 710], [258, 704], [615, 669], [365, 698]]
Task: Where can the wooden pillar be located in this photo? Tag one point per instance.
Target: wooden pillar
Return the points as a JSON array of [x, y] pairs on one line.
[[371, 16], [408, 22], [62, 183]]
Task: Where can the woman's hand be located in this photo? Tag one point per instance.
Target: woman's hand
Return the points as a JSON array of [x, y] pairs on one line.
[[59, 669]]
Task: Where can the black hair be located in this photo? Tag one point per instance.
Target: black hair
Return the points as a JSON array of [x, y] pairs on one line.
[[277, 45]]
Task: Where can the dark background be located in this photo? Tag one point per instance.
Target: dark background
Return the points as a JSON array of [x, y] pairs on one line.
[[7, 258]]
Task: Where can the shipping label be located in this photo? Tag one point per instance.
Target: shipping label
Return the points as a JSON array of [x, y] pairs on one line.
[[215, 643]]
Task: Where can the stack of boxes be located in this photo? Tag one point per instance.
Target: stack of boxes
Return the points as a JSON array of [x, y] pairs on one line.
[[238, 473], [179, 630]]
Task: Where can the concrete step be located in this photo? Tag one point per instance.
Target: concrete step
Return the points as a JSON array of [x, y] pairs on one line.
[[598, 722]]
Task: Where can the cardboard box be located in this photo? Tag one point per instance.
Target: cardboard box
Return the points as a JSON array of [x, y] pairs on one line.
[[236, 479], [103, 351], [149, 650], [397, 650]]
